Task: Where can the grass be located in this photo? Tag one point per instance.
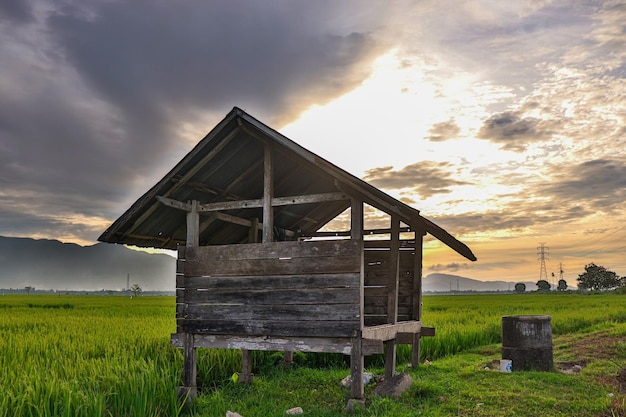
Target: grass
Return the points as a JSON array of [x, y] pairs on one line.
[[110, 356]]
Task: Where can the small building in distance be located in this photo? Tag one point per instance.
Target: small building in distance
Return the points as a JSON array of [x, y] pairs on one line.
[[245, 209]]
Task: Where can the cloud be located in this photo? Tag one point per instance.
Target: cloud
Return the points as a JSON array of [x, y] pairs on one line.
[[168, 58], [599, 184], [18, 11], [451, 267], [426, 178], [511, 131], [443, 131]]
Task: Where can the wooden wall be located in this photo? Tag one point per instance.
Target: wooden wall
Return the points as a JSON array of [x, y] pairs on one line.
[[377, 277], [290, 289]]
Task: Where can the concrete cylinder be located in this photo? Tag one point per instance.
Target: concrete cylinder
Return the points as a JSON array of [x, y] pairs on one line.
[[527, 342]]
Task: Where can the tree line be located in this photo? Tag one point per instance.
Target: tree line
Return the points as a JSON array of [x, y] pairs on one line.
[[595, 278]]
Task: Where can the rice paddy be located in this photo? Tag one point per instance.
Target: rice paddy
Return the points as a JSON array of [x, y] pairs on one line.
[[111, 356]]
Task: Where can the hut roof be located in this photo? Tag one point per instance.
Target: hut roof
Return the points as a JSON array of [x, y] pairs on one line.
[[226, 168]]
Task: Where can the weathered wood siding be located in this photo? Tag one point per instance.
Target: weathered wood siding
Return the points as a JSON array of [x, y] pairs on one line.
[[377, 271], [293, 289]]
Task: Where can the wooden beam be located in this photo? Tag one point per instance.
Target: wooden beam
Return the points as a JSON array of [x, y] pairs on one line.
[[417, 275], [174, 203], [392, 294], [275, 202], [366, 232], [417, 295], [221, 145], [193, 225], [253, 233], [390, 331], [356, 219], [394, 268], [200, 164], [356, 368], [272, 343], [268, 194]]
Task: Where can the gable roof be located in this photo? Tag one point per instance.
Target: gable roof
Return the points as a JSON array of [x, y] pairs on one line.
[[227, 166]]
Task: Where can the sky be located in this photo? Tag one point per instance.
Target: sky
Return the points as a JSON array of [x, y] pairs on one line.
[[503, 122]]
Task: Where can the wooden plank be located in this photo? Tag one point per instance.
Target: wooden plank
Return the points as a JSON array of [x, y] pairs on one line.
[[407, 338], [180, 311], [304, 249], [289, 312], [273, 266], [374, 320], [273, 343], [275, 202], [276, 297], [296, 328], [244, 283], [389, 331], [403, 311]]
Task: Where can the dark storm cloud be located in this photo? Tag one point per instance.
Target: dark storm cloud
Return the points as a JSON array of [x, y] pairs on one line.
[[426, 178], [95, 95], [19, 11], [511, 131], [443, 131], [158, 56]]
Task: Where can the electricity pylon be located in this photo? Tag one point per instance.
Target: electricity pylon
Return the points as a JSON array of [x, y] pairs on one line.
[[542, 255]]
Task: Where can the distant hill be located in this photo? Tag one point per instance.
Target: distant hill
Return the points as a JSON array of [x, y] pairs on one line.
[[447, 283], [50, 264]]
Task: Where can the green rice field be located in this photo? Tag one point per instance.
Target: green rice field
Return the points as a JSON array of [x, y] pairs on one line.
[[110, 356]]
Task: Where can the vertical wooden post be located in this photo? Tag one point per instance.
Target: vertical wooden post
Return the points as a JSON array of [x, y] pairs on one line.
[[193, 225], [246, 375], [417, 293], [356, 368], [392, 291], [253, 233], [357, 394], [268, 194], [356, 219], [189, 389]]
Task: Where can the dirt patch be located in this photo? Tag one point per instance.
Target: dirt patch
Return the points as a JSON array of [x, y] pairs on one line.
[[589, 347], [600, 346]]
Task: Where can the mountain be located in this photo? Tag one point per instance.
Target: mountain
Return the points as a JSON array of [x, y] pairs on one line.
[[50, 264], [448, 283]]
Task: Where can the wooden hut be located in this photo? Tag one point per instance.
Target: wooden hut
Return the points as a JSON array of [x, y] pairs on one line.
[[244, 209]]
